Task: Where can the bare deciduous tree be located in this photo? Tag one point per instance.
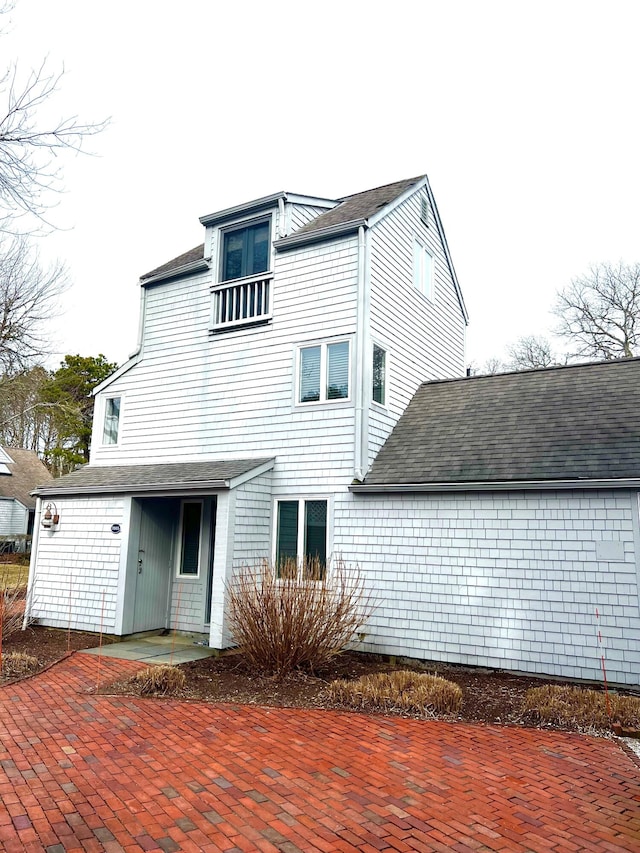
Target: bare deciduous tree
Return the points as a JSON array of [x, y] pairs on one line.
[[600, 311], [530, 352], [28, 299]]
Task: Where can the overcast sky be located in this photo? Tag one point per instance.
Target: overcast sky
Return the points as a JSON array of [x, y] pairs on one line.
[[523, 114]]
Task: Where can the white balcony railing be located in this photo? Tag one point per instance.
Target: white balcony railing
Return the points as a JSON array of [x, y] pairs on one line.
[[242, 302]]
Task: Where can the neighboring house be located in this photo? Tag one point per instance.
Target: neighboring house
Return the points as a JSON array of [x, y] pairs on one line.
[[273, 364], [20, 472]]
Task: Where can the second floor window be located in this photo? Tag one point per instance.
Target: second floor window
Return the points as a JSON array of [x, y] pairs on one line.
[[324, 373], [245, 251], [379, 375], [423, 270], [111, 420]]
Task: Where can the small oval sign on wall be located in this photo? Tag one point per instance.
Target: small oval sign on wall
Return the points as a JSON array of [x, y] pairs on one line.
[[115, 528]]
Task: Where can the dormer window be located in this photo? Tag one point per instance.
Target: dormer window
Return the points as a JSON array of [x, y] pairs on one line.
[[243, 295], [245, 251], [111, 427]]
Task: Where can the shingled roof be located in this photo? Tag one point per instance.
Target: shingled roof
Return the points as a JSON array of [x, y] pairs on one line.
[[175, 477], [26, 472], [574, 423], [359, 206], [195, 254]]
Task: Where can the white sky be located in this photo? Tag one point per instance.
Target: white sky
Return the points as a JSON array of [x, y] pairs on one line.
[[525, 116]]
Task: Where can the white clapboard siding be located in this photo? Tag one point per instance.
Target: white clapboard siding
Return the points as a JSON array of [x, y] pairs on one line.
[[252, 529], [13, 517], [507, 580], [195, 395], [300, 214], [77, 563], [425, 339]]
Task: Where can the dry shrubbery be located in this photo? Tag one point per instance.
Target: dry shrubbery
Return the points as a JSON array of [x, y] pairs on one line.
[[18, 665], [401, 690], [12, 597], [159, 680], [288, 622], [561, 705]]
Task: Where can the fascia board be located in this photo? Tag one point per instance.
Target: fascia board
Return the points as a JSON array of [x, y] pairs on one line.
[[443, 236], [250, 475], [117, 373], [313, 201], [201, 265], [495, 486], [387, 209], [195, 487], [342, 229], [248, 207]]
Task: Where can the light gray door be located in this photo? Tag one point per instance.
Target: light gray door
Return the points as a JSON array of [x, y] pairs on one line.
[[154, 564]]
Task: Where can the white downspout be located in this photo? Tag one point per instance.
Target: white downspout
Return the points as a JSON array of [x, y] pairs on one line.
[[362, 348], [32, 564]]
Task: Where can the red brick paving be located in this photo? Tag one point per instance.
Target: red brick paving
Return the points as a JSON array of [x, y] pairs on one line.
[[82, 773]]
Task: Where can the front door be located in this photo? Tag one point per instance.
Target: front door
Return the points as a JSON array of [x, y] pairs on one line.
[[154, 562]]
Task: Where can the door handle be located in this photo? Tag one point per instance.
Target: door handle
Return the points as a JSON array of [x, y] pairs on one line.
[[140, 552]]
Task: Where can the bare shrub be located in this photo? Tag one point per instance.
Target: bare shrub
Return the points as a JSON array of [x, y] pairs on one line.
[[18, 665], [12, 598], [562, 705], [287, 620], [161, 680], [401, 690]]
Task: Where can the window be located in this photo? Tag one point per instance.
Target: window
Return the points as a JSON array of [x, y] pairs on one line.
[[423, 270], [245, 251], [111, 420], [301, 536], [379, 375], [324, 373], [190, 538]]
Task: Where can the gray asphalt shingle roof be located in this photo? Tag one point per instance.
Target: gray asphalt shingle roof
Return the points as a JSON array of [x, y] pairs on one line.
[[27, 471], [565, 423], [120, 479]]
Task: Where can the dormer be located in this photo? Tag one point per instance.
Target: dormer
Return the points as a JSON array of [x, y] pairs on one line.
[[239, 243]]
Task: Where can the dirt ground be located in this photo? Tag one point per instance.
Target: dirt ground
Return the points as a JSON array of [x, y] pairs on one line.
[[489, 696]]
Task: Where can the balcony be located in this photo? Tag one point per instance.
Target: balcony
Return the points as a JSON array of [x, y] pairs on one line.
[[242, 302]]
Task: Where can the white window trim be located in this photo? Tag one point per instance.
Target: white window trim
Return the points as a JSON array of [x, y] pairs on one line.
[[179, 575], [387, 365], [103, 415], [301, 500], [324, 400], [419, 249]]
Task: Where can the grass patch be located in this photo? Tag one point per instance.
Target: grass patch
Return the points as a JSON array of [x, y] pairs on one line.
[[401, 690], [18, 665], [13, 575], [161, 680], [562, 705]]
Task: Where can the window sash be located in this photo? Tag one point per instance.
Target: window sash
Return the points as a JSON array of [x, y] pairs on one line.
[[423, 270], [324, 373], [245, 251], [379, 389], [111, 420], [301, 536], [190, 538]]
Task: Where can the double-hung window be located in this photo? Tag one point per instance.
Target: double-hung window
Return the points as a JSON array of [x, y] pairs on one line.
[[423, 270], [243, 294], [301, 536], [111, 426], [323, 373]]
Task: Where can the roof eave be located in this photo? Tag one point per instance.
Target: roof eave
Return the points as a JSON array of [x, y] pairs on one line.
[[201, 265], [254, 206], [140, 488], [497, 485], [332, 232]]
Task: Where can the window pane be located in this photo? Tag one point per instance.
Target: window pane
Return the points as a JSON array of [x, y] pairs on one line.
[[287, 534], [379, 359], [233, 248], [309, 374], [191, 514], [111, 420], [315, 538], [258, 254], [337, 371]]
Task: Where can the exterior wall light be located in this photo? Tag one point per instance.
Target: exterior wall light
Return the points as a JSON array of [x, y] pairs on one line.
[[50, 518]]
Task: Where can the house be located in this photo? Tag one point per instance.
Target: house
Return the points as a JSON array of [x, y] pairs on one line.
[[20, 472], [276, 406]]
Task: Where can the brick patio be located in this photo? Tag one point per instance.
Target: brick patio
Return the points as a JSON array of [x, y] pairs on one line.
[[95, 773]]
